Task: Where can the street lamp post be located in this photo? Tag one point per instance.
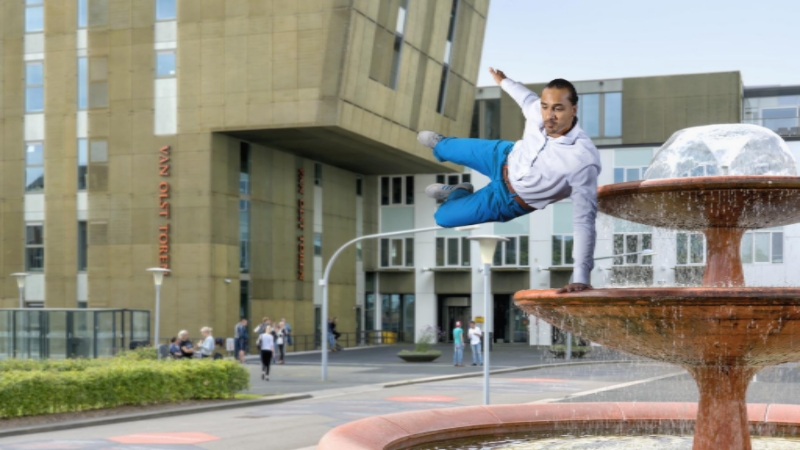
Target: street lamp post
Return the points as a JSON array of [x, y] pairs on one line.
[[647, 252], [487, 247], [158, 278], [20, 276], [324, 282]]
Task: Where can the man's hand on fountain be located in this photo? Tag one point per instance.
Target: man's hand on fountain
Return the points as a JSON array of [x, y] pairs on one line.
[[574, 287]]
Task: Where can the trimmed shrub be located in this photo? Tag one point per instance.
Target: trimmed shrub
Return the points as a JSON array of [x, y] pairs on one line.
[[46, 387]]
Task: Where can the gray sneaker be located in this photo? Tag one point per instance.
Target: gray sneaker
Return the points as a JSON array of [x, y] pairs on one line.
[[441, 191], [429, 138]]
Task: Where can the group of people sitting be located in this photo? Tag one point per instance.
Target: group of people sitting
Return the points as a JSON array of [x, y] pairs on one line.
[[181, 346]]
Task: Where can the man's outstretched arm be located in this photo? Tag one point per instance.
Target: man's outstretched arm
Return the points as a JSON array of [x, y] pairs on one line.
[[584, 214], [525, 98]]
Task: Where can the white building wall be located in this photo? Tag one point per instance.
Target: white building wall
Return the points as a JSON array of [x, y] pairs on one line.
[[424, 256]]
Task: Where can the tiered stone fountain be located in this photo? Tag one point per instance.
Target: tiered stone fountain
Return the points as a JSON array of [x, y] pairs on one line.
[[722, 333]]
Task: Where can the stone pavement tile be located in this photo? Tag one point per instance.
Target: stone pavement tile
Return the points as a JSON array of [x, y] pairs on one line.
[[90, 444], [165, 438]]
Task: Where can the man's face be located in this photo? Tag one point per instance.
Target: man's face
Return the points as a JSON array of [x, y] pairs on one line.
[[557, 111]]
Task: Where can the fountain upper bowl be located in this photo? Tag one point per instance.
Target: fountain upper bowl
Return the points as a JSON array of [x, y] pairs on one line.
[[697, 203], [753, 327]]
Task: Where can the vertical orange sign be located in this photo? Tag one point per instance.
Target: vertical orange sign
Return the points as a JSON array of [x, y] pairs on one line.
[[164, 166]]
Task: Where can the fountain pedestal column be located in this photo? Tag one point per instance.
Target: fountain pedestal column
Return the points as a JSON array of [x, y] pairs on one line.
[[722, 411], [723, 258]]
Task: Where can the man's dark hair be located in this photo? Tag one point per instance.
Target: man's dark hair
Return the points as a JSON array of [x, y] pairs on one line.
[[560, 83]]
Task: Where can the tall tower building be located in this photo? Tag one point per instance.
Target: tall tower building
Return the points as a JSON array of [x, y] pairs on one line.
[[234, 142]]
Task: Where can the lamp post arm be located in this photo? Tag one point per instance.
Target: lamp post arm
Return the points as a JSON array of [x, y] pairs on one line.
[[336, 254]]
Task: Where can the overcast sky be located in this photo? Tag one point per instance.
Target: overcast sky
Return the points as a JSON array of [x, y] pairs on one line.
[[536, 41]]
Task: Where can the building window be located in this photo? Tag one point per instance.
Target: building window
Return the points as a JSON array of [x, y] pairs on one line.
[[83, 246], [165, 10], [691, 249], [317, 174], [562, 239], [83, 83], [759, 247], [397, 190], [397, 49], [600, 114], [244, 168], [34, 16], [83, 13], [397, 315], [623, 174], [491, 119], [34, 87], [98, 83], [387, 47], [34, 247], [448, 54], [612, 114], [701, 171], [398, 252], [452, 252], [513, 252], [780, 120], [452, 179], [562, 249], [34, 167], [165, 64], [369, 310], [244, 236], [317, 244], [631, 245], [83, 163]]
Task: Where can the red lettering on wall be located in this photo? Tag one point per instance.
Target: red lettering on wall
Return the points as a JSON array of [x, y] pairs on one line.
[[164, 166], [301, 224]]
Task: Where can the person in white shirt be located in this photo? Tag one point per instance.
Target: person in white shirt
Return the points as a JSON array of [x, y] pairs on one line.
[[266, 343], [207, 346], [475, 336], [554, 160]]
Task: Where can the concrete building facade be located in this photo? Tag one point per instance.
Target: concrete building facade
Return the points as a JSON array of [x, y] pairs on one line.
[[236, 143]]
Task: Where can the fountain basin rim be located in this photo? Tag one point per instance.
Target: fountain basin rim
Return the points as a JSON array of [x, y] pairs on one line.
[[406, 429], [707, 183], [678, 296]]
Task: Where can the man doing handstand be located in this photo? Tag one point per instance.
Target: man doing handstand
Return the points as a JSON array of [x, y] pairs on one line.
[[554, 160]]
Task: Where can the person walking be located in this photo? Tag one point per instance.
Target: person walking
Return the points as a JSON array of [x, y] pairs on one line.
[[265, 322], [554, 160], [241, 340], [208, 345], [280, 340], [266, 344], [475, 334], [458, 345]]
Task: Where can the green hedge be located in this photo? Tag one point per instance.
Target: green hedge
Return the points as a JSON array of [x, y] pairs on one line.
[[44, 387]]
